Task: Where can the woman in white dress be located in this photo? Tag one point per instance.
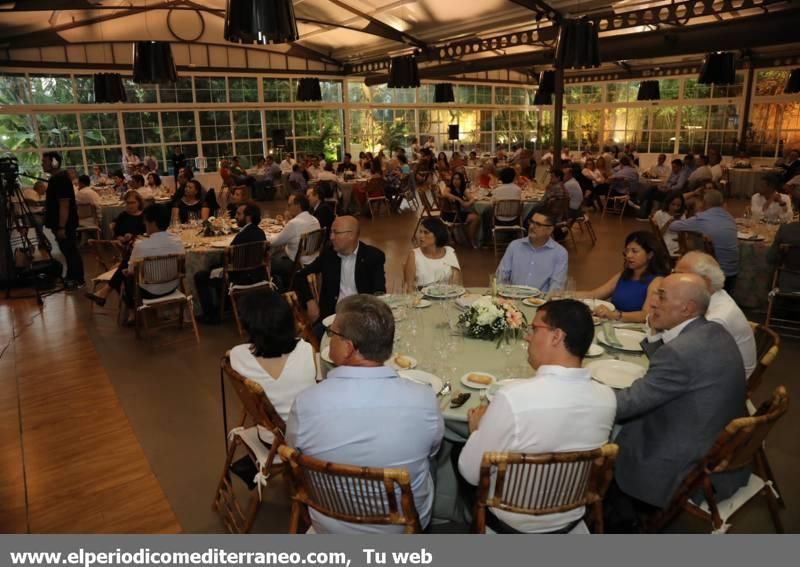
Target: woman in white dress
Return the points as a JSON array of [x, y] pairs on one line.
[[433, 261], [673, 208], [275, 358]]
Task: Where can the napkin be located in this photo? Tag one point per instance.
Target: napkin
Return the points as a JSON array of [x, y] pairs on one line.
[[611, 334]]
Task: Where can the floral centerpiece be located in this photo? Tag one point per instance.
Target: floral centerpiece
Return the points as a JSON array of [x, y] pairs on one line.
[[493, 319], [212, 226], [348, 175]]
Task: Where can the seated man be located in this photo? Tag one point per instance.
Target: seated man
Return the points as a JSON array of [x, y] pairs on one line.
[[159, 243], [35, 198], [238, 198], [320, 209], [625, 181], [286, 243], [537, 261], [719, 226], [347, 267], [297, 179], [363, 414], [560, 409], [327, 174], [86, 195], [788, 233], [722, 308], [701, 173], [678, 179], [671, 417], [769, 203], [346, 165], [209, 282], [660, 169]]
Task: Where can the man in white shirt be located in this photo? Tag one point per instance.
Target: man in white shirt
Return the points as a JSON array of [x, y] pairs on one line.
[[159, 243], [507, 191], [715, 163], [769, 203], [660, 170], [327, 174], [98, 177], [86, 195], [287, 163], [314, 169], [701, 173], [285, 244], [560, 409], [722, 308], [573, 189], [129, 160]]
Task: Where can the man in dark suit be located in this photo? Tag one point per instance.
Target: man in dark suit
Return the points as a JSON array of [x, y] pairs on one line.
[[671, 417], [209, 282], [347, 267], [320, 209]]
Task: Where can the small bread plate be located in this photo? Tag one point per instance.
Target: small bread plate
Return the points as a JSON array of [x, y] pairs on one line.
[[749, 236], [466, 301], [467, 380], [615, 373], [630, 339], [402, 362], [421, 304], [517, 291], [595, 350], [328, 321], [422, 377], [595, 303], [534, 301], [443, 291]]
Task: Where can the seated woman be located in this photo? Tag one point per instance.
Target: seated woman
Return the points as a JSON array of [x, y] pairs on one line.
[[433, 261], [154, 183], [520, 179], [632, 290], [126, 227], [487, 179], [462, 208], [673, 208], [191, 204], [443, 167], [275, 358]]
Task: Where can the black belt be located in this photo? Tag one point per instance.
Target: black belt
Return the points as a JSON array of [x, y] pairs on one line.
[[500, 527]]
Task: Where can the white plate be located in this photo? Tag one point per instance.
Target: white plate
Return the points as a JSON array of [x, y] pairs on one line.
[[595, 303], [469, 384], [534, 301], [422, 377], [630, 339], [326, 355], [749, 236], [517, 291], [396, 366], [595, 350], [221, 243], [466, 301], [616, 373], [443, 291], [422, 304], [328, 321]]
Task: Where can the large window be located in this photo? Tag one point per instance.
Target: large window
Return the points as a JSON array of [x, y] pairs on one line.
[[141, 128], [247, 133], [243, 89], [100, 129], [210, 89], [58, 130], [216, 125], [52, 89], [179, 91]]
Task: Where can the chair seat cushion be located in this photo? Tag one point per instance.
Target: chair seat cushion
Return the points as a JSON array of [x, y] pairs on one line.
[[256, 438], [174, 296], [729, 506], [244, 287], [105, 276]]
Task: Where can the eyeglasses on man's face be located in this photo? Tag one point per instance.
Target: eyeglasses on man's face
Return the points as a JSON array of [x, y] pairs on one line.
[[330, 333], [540, 224]]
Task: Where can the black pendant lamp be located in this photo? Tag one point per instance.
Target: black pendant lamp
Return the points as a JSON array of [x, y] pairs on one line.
[[108, 87], [309, 90], [153, 63], [403, 72], [649, 90], [444, 93], [260, 21], [578, 45], [718, 68], [793, 83], [547, 88]]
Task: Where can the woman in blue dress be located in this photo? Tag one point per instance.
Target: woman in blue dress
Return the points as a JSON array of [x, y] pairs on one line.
[[631, 290]]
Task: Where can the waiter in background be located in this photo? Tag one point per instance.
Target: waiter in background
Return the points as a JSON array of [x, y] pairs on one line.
[[61, 216]]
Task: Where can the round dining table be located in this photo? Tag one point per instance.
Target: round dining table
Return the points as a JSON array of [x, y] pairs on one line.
[[431, 337]]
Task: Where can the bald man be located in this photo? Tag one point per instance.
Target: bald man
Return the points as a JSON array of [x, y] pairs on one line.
[[671, 417], [348, 267]]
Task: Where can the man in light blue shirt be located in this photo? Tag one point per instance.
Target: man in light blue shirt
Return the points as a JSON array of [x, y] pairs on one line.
[[364, 414], [720, 227], [537, 261], [678, 178]]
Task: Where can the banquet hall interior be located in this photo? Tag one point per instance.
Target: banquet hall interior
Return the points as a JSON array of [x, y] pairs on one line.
[[119, 411]]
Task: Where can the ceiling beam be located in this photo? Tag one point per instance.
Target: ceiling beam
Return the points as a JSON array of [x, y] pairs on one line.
[[376, 26], [754, 31], [541, 8]]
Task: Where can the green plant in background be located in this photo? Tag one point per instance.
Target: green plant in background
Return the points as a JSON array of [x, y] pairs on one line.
[[394, 134]]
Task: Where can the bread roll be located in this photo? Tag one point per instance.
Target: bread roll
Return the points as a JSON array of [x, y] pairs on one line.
[[476, 378], [403, 361]]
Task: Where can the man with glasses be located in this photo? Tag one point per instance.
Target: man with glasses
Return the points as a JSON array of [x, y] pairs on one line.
[[347, 267], [671, 417], [537, 261], [364, 414], [562, 409]]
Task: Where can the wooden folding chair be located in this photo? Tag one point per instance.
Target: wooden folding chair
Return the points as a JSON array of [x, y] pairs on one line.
[[581, 222], [303, 327], [768, 344], [376, 196], [740, 445], [157, 270], [616, 204], [250, 258], [311, 243], [314, 286], [549, 483], [257, 412], [108, 254], [88, 221], [689, 240], [501, 210], [408, 193], [788, 264], [430, 209], [359, 495]]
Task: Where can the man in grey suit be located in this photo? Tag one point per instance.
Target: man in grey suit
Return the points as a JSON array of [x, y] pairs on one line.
[[671, 417]]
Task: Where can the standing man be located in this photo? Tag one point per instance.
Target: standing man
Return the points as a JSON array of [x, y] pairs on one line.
[[61, 216]]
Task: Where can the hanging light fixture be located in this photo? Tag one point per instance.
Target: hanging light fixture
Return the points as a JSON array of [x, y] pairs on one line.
[[649, 90], [309, 90], [578, 45], [719, 68], [108, 87], [260, 21], [444, 93], [793, 83], [546, 90], [403, 72], [153, 63]]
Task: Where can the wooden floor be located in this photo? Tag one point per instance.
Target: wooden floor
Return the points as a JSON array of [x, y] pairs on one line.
[[70, 460]]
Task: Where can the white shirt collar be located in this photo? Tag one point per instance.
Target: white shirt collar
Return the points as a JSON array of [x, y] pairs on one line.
[[563, 373], [351, 255], [672, 333]]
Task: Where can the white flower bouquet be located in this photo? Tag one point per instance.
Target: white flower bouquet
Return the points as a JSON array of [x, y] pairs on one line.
[[493, 319]]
